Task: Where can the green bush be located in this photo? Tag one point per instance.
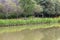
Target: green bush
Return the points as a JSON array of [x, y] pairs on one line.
[[2, 16]]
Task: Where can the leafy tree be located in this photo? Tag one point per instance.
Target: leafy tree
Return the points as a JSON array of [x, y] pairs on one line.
[[1, 7], [38, 10], [57, 7], [1, 11], [48, 7], [28, 6]]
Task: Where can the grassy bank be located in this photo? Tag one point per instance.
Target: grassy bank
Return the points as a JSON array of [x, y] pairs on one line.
[[34, 23], [28, 21], [29, 27]]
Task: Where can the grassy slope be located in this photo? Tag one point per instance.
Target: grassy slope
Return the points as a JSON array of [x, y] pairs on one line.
[[30, 27], [29, 21], [52, 22]]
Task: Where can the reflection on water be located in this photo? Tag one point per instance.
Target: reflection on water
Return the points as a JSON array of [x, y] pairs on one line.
[[58, 38], [38, 34]]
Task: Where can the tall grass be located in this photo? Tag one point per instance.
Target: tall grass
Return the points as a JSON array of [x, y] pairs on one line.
[[29, 21], [29, 27]]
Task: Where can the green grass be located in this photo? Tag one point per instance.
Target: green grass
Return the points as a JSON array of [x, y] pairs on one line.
[[29, 21], [29, 27], [34, 23]]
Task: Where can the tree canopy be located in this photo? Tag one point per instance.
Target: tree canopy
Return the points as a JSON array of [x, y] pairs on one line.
[[30, 7]]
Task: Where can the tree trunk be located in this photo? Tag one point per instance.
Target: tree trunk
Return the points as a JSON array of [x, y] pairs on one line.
[[6, 15], [42, 15]]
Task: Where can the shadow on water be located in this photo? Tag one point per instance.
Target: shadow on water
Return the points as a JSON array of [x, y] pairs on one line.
[[37, 34]]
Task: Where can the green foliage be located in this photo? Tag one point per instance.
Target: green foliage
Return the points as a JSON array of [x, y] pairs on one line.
[[29, 27], [38, 8], [57, 7], [29, 21], [13, 15], [28, 6], [49, 6], [2, 16]]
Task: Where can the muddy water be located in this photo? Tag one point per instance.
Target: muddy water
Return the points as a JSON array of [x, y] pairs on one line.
[[38, 34]]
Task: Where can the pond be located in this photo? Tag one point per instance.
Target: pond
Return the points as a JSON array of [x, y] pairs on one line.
[[37, 34]]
